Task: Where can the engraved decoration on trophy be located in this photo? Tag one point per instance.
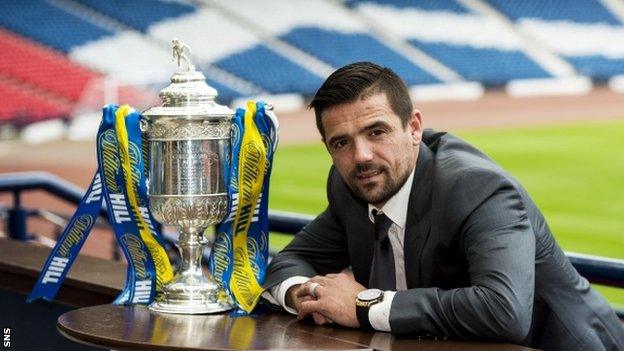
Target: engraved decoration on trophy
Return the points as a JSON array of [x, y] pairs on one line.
[[189, 136]]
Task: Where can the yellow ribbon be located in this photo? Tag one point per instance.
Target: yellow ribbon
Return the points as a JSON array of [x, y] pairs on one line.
[[252, 164], [164, 271]]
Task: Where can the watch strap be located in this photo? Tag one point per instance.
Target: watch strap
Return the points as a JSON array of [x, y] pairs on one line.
[[361, 313]]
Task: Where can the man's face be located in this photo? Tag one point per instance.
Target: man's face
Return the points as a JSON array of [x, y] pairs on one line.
[[372, 151]]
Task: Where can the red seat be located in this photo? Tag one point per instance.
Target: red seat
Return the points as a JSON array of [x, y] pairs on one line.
[[37, 82], [42, 67], [21, 107]]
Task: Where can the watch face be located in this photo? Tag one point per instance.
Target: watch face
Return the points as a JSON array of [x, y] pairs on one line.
[[369, 294]]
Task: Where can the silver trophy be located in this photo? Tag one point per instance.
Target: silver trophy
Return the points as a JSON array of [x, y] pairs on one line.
[[189, 137]]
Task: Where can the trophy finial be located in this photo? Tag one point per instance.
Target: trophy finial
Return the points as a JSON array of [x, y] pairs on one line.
[[179, 54]]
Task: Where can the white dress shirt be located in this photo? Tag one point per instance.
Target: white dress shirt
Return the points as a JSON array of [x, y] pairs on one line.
[[379, 314]]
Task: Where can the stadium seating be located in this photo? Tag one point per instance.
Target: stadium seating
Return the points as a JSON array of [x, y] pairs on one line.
[[476, 47], [146, 64], [127, 58], [327, 32], [42, 67], [139, 14], [265, 68], [22, 105], [225, 93], [584, 11], [340, 49], [487, 65], [72, 51], [427, 5], [585, 34], [49, 24], [239, 51], [596, 66]]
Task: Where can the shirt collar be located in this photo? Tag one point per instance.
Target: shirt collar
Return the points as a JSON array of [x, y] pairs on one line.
[[396, 207]]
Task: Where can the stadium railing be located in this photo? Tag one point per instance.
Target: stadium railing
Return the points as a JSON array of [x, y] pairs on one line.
[[596, 269]]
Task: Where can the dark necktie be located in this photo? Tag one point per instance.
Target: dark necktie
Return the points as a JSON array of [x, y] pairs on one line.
[[382, 274]]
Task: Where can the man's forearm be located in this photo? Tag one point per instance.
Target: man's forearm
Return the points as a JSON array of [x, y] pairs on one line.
[[279, 292], [473, 312]]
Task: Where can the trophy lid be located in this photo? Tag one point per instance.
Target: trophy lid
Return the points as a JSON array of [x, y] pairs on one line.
[[188, 95]]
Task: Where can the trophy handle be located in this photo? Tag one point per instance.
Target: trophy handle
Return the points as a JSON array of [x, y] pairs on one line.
[[144, 128]]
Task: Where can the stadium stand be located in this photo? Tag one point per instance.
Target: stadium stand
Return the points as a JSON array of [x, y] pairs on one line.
[[48, 24], [42, 79], [477, 47], [328, 32], [597, 66], [226, 94], [587, 11], [22, 105], [491, 66], [426, 5], [239, 51], [146, 63], [267, 69], [104, 49], [340, 49], [74, 51], [39, 66], [585, 34], [139, 14]]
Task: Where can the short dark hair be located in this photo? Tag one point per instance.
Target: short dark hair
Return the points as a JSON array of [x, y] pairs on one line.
[[360, 80]]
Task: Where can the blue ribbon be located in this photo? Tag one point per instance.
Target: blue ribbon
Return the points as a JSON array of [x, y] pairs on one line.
[[108, 184], [67, 247], [221, 259], [140, 284]]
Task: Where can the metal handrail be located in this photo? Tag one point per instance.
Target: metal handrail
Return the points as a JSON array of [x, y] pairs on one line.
[[20, 181], [596, 269]]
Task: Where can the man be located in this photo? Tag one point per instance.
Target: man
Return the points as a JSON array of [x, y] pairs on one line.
[[455, 245]]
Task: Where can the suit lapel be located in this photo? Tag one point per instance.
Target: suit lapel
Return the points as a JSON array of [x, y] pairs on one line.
[[418, 224]]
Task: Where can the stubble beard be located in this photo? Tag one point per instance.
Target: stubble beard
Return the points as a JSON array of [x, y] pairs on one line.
[[379, 193]]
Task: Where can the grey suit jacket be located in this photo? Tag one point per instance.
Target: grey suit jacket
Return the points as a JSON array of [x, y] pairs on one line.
[[480, 260]]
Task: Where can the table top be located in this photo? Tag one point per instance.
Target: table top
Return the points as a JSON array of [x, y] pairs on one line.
[[136, 327]]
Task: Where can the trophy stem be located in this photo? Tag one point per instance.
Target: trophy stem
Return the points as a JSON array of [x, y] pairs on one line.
[[191, 246], [190, 292]]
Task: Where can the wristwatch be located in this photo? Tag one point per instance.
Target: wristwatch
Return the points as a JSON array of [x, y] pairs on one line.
[[365, 299]]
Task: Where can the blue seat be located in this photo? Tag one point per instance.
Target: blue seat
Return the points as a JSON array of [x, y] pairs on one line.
[[226, 94], [597, 67], [270, 71], [48, 24], [489, 66], [581, 11], [339, 49], [428, 5], [139, 14]]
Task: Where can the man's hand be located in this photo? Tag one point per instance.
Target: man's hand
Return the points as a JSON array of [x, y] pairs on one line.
[[335, 298], [296, 295]]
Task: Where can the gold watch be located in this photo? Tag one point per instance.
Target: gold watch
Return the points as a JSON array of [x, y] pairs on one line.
[[365, 299]]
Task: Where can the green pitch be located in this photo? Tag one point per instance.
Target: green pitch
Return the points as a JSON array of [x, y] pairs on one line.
[[575, 173]]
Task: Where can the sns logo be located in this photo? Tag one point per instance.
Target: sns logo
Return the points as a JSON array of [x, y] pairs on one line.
[[7, 337]]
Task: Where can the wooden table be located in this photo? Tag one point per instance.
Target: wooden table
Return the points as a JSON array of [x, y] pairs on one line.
[[91, 281], [137, 328]]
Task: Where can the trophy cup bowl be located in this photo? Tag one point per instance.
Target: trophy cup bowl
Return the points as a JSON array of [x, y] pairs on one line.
[[189, 142]]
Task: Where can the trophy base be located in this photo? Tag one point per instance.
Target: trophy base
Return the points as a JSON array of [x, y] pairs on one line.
[[192, 294], [190, 307]]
